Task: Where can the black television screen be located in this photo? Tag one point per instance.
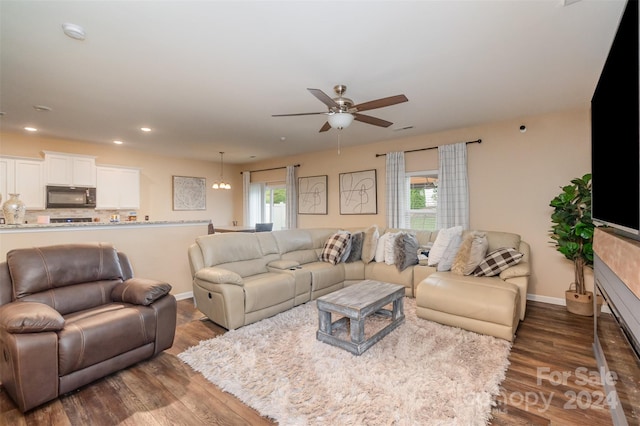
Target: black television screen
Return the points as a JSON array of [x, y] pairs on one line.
[[615, 132]]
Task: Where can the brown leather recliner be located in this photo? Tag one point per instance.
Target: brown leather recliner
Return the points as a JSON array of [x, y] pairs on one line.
[[71, 314]]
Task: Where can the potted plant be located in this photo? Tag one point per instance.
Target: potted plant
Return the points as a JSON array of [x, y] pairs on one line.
[[572, 234]]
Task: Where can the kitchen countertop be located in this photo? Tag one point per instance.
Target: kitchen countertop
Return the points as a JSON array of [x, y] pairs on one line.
[[84, 225]]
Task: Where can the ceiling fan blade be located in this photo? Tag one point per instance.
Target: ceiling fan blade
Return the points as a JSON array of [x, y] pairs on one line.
[[299, 113], [324, 128], [324, 98], [379, 103], [371, 120]]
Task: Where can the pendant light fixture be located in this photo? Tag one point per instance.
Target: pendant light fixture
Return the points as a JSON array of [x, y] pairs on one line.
[[221, 183]]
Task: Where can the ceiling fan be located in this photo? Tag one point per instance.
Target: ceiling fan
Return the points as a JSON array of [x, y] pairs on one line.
[[342, 111]]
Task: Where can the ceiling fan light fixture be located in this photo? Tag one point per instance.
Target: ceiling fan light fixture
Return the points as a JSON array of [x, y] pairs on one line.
[[340, 120]]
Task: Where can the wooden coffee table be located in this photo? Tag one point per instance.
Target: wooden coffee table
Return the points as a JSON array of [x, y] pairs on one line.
[[355, 303]]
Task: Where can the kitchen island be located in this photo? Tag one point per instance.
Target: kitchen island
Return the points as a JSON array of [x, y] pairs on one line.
[[156, 249]]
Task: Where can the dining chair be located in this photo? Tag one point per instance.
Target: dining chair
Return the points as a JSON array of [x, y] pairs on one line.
[[264, 227]]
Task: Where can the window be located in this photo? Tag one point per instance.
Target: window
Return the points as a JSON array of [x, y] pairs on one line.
[[422, 188], [275, 205]]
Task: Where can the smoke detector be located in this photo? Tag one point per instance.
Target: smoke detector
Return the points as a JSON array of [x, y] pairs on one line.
[[74, 31]]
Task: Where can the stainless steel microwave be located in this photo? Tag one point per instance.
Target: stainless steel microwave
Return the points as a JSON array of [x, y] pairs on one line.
[[59, 197]]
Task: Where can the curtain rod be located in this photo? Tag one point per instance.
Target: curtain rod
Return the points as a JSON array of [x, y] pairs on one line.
[[273, 168], [432, 147]]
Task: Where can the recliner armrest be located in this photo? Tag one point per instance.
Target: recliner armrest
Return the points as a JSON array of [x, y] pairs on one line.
[[522, 269], [216, 275], [29, 317], [140, 291]]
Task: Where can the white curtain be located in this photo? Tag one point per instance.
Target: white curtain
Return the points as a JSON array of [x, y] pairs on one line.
[[246, 212], [396, 190], [292, 198], [256, 203], [453, 187]]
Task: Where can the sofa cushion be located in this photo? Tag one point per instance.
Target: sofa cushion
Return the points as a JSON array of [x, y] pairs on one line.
[[499, 239], [41, 269], [370, 243], [441, 243], [497, 261], [406, 251], [471, 252], [98, 334], [335, 247]]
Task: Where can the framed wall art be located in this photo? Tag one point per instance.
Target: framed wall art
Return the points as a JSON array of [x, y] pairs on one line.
[[312, 195], [189, 193], [358, 192]]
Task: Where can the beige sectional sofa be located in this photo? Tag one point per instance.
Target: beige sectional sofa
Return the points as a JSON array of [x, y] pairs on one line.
[[241, 278]]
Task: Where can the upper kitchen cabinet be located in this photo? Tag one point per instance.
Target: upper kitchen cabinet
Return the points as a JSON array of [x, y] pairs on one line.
[[25, 177], [118, 188], [70, 169]]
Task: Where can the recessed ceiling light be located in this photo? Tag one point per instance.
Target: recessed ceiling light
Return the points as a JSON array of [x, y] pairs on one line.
[[117, 142], [145, 129], [74, 31], [42, 108], [30, 129]]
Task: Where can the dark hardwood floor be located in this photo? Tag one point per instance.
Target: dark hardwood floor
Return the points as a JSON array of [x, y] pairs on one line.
[[552, 379]]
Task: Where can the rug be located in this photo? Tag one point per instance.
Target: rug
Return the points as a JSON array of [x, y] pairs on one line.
[[422, 373]]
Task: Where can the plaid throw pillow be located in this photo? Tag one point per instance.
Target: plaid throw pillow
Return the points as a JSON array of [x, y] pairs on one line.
[[497, 261], [334, 247]]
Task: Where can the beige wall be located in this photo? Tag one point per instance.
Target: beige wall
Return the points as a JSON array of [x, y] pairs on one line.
[[155, 251], [512, 178]]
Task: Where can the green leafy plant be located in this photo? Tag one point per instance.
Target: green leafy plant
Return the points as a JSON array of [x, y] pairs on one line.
[[572, 232]]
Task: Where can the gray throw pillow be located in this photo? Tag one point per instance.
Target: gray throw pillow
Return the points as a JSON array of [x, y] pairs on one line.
[[405, 251], [356, 247]]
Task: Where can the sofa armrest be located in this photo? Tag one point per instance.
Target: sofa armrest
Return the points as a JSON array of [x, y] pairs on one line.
[[283, 264], [522, 269], [29, 317], [219, 276], [140, 291]]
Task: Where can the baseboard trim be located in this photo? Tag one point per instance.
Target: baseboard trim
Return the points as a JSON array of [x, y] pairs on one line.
[[185, 295], [557, 301]]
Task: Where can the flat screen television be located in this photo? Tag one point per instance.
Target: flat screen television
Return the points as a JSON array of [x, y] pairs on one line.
[[615, 132]]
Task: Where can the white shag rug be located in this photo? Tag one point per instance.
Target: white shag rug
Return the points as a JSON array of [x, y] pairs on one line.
[[422, 373]]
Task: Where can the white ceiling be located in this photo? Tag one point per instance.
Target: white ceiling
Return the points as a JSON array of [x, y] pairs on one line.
[[206, 76]]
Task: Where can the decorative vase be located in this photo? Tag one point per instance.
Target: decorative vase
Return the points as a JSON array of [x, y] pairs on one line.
[[14, 210]]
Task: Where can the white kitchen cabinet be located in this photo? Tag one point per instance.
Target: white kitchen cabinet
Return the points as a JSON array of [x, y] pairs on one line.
[[25, 177], [70, 170], [117, 188]]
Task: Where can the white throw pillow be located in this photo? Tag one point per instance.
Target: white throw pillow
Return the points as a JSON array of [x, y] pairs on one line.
[[441, 243], [449, 254], [380, 247], [389, 246]]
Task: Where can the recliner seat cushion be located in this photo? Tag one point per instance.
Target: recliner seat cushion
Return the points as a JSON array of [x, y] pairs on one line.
[[95, 335]]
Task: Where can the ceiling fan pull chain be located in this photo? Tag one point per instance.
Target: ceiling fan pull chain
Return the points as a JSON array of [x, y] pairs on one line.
[[339, 133]]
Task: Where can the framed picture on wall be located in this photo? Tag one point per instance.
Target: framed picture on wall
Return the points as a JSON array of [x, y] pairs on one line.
[[312, 195], [358, 192], [189, 193]]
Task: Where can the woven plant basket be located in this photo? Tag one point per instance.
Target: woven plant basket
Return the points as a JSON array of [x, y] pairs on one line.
[[579, 304]]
